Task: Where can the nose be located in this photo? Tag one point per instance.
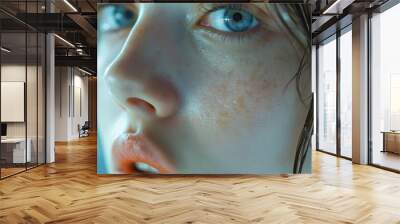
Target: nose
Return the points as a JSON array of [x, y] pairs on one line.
[[135, 80]]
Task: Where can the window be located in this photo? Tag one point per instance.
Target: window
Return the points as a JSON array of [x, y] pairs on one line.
[[327, 96], [346, 75], [385, 89]]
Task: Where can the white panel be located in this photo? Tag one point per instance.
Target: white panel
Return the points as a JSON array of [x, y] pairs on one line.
[[12, 101], [77, 101]]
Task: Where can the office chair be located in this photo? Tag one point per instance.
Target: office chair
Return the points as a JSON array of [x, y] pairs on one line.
[[84, 130]]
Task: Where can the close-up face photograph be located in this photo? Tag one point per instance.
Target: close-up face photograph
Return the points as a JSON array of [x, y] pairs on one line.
[[222, 111], [204, 88]]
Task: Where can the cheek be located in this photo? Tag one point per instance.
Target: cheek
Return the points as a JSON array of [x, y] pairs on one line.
[[237, 102], [246, 88]]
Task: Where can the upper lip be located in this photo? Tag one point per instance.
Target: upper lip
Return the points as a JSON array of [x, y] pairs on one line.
[[131, 148]]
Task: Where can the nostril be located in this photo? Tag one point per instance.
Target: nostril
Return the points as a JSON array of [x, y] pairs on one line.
[[137, 102], [141, 167]]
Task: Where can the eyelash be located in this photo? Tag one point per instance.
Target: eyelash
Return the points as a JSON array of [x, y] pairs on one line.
[[226, 36], [205, 10], [230, 37]]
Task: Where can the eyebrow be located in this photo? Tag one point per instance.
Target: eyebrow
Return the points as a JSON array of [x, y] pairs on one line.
[[258, 5]]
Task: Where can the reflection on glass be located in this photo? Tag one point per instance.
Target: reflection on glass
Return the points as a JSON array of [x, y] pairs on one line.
[[327, 97], [346, 94], [22, 93], [13, 87], [31, 100], [386, 89]]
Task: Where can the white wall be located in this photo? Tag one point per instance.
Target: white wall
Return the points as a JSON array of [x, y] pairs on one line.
[[12, 73], [80, 110], [71, 102], [16, 73], [61, 103]]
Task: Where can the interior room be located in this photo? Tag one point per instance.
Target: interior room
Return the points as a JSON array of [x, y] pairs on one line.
[[51, 117]]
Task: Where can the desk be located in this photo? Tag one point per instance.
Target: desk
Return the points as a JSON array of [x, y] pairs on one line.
[[16, 147], [391, 141]]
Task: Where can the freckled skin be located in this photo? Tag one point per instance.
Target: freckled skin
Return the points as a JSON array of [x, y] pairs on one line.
[[235, 110]]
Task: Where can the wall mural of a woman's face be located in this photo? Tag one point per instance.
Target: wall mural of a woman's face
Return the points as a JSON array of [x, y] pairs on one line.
[[201, 88]]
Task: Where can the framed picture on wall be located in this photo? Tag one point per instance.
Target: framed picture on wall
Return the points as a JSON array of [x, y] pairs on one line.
[[204, 88], [12, 101]]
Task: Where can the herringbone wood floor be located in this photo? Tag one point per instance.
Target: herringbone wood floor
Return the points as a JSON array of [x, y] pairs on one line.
[[69, 191]]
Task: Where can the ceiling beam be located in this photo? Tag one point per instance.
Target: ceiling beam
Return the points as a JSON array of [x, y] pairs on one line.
[[79, 61], [84, 24], [44, 22], [337, 7]]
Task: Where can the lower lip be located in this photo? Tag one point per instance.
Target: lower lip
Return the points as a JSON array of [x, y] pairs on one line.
[[129, 149]]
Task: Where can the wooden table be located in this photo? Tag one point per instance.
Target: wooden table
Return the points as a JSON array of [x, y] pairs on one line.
[[13, 150], [391, 141]]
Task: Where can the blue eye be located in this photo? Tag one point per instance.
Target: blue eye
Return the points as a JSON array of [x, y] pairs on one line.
[[231, 20], [114, 17]]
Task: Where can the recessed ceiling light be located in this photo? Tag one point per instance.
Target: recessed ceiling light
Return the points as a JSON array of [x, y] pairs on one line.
[[70, 5], [337, 7], [84, 71], [5, 50], [65, 41]]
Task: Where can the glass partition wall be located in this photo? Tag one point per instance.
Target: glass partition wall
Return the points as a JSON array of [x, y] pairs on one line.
[[13, 110], [385, 89], [22, 88], [334, 94]]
